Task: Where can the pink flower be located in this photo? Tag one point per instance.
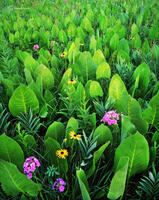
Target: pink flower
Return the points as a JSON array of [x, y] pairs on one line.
[[110, 117], [59, 184], [29, 175], [30, 165], [36, 47]]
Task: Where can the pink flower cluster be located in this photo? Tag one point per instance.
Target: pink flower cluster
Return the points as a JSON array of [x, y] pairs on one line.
[[30, 165], [36, 47], [59, 185], [111, 117]]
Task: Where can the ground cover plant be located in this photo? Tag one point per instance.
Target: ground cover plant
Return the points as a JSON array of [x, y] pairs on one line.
[[79, 99]]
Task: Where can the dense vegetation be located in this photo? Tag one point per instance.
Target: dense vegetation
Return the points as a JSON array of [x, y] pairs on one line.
[[79, 99]]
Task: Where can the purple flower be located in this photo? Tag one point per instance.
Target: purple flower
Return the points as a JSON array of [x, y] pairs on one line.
[[111, 117], [36, 47], [59, 184], [65, 1], [73, 6], [30, 165]]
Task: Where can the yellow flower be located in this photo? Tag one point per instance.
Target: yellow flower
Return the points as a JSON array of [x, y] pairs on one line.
[[81, 44], [71, 82], [63, 54], [65, 140], [63, 153], [73, 135], [132, 38]]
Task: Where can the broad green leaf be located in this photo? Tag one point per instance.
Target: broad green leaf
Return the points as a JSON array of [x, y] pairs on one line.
[[96, 156], [80, 95], [135, 114], [151, 114], [30, 63], [45, 76], [93, 44], [98, 57], [118, 94], [22, 99], [136, 42], [95, 89], [87, 66], [83, 184], [7, 147], [137, 149], [114, 42], [56, 131], [28, 76], [14, 182], [134, 30], [103, 71], [103, 134], [143, 73], [123, 45], [155, 53], [66, 77], [30, 141], [118, 182], [123, 56], [73, 52], [145, 47], [86, 25], [127, 128]]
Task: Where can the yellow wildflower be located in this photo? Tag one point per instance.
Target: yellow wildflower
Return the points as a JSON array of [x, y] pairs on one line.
[[63, 153], [72, 82], [74, 135], [63, 54]]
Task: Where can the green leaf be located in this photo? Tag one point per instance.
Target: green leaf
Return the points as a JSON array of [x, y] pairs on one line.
[[45, 76], [63, 36], [87, 66], [72, 125], [93, 44], [133, 147], [30, 141], [95, 89], [103, 134], [96, 156], [118, 182], [7, 147], [145, 47], [123, 45], [103, 71], [127, 128], [14, 182], [86, 25], [83, 184], [98, 57], [135, 114], [118, 94], [80, 95], [151, 114], [56, 131], [143, 73], [22, 99], [66, 77], [123, 56], [134, 30], [30, 63], [114, 42]]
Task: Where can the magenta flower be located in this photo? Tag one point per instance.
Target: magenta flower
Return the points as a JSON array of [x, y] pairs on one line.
[[30, 165], [65, 1], [36, 47], [110, 117], [59, 185]]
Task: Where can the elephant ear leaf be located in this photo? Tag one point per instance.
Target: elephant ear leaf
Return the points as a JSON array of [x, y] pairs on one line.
[[117, 186], [22, 99], [7, 147], [16, 182], [133, 147]]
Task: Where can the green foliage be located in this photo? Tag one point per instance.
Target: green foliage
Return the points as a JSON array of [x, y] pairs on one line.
[[16, 182], [133, 147], [96, 156], [95, 89], [118, 182], [103, 71], [98, 57], [114, 42], [56, 131], [103, 134], [83, 184], [22, 99], [7, 147]]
